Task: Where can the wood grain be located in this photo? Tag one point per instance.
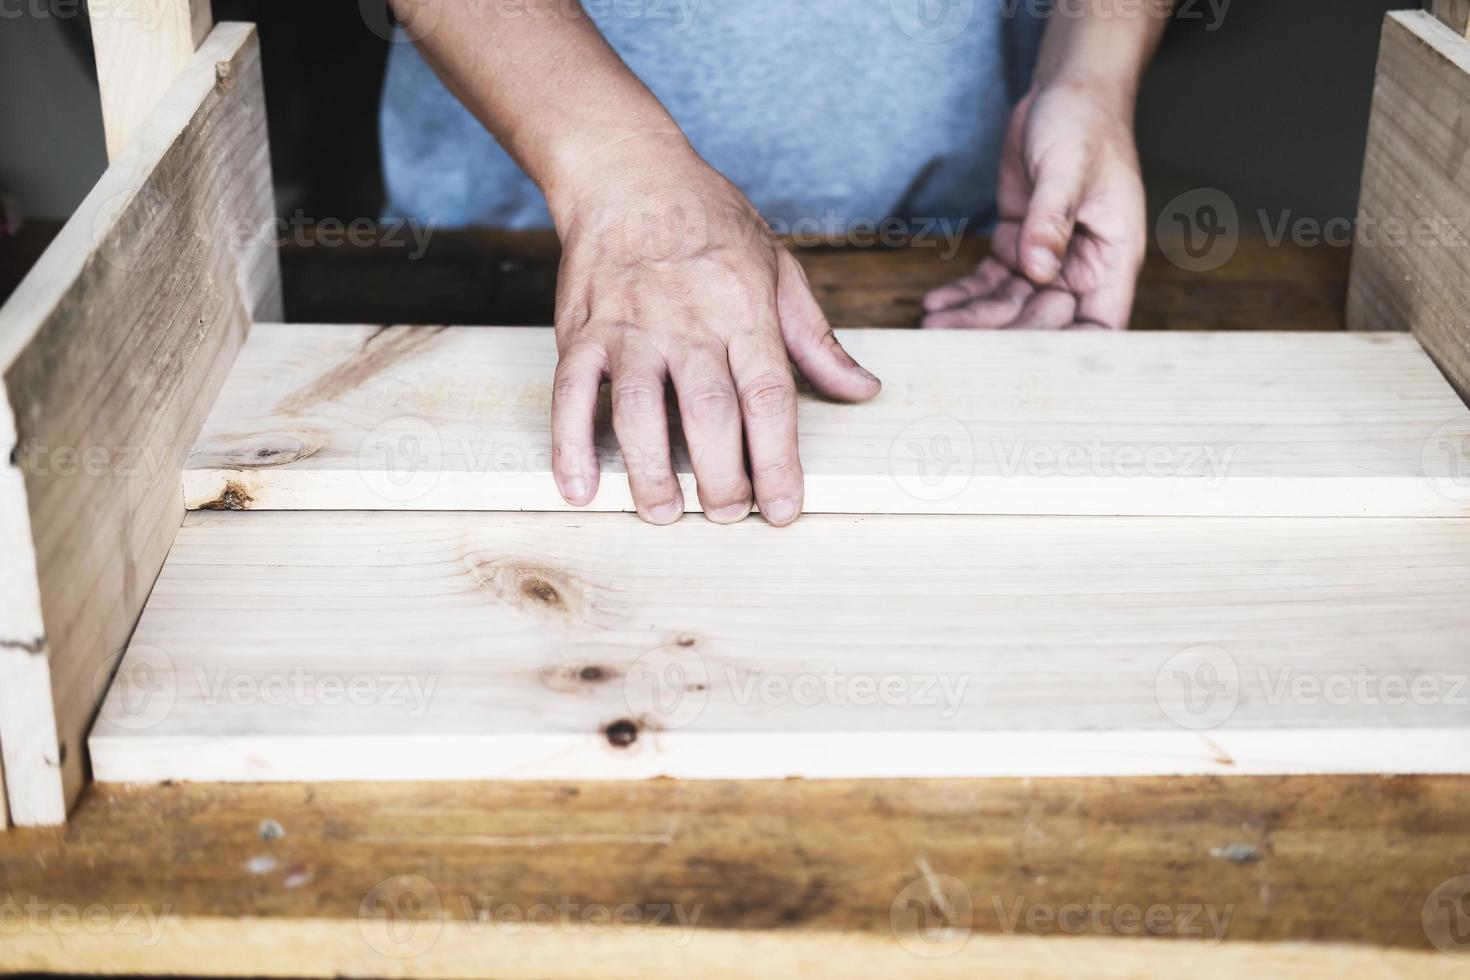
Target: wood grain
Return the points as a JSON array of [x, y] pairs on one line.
[[142, 47], [1411, 265], [330, 646], [1455, 13], [112, 349], [1010, 422], [1319, 875]]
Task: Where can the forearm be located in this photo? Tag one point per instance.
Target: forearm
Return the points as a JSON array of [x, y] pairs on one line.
[[1102, 45], [539, 75]]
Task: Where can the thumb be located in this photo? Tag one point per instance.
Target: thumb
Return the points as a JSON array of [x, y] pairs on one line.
[[1051, 218], [810, 341]]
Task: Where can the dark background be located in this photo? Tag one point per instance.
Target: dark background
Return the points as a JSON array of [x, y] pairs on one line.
[[1271, 107]]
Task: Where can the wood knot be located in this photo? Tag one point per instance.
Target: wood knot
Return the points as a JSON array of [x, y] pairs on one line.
[[621, 733], [234, 497], [527, 585]]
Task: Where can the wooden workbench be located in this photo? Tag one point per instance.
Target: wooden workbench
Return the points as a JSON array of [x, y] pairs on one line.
[[1297, 876]]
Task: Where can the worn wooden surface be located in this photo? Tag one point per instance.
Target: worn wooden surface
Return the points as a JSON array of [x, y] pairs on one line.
[[1411, 266], [1298, 876], [112, 350], [337, 417]]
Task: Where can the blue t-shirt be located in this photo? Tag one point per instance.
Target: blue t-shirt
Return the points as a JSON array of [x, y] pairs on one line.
[[827, 113]]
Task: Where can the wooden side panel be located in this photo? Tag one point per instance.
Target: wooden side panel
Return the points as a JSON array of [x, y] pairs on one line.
[[112, 350], [1455, 13], [1411, 263], [142, 46], [996, 422]]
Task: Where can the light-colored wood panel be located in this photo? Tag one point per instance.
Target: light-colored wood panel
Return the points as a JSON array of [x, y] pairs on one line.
[[142, 46], [1010, 422], [1411, 261], [1455, 13], [112, 350], [363, 646]]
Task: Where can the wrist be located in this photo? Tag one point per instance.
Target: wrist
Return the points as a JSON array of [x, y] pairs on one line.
[[590, 175], [1112, 96]]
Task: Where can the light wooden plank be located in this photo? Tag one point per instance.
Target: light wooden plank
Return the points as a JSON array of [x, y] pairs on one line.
[[1411, 263], [111, 351], [142, 47], [1009, 422], [383, 646], [1454, 13]]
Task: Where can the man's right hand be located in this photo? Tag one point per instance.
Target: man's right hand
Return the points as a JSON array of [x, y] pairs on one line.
[[670, 275]]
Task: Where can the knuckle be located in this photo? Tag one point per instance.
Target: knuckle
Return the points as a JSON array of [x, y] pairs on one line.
[[769, 395], [709, 400], [638, 396]]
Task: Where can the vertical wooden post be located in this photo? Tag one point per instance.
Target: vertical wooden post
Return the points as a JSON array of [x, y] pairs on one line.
[[142, 46], [1455, 13]]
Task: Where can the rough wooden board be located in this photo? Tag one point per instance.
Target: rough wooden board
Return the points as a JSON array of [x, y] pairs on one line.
[[1411, 265], [142, 46], [330, 646], [1321, 875], [1010, 422], [1455, 13], [111, 350]]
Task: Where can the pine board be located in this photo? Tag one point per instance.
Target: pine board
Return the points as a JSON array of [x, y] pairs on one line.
[[337, 417], [483, 646]]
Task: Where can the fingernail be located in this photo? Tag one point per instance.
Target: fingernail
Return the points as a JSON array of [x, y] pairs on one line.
[[730, 515], [575, 490], [781, 511], [666, 513], [869, 375]]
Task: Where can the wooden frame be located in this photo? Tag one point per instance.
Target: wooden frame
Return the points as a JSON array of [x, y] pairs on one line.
[[112, 350]]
